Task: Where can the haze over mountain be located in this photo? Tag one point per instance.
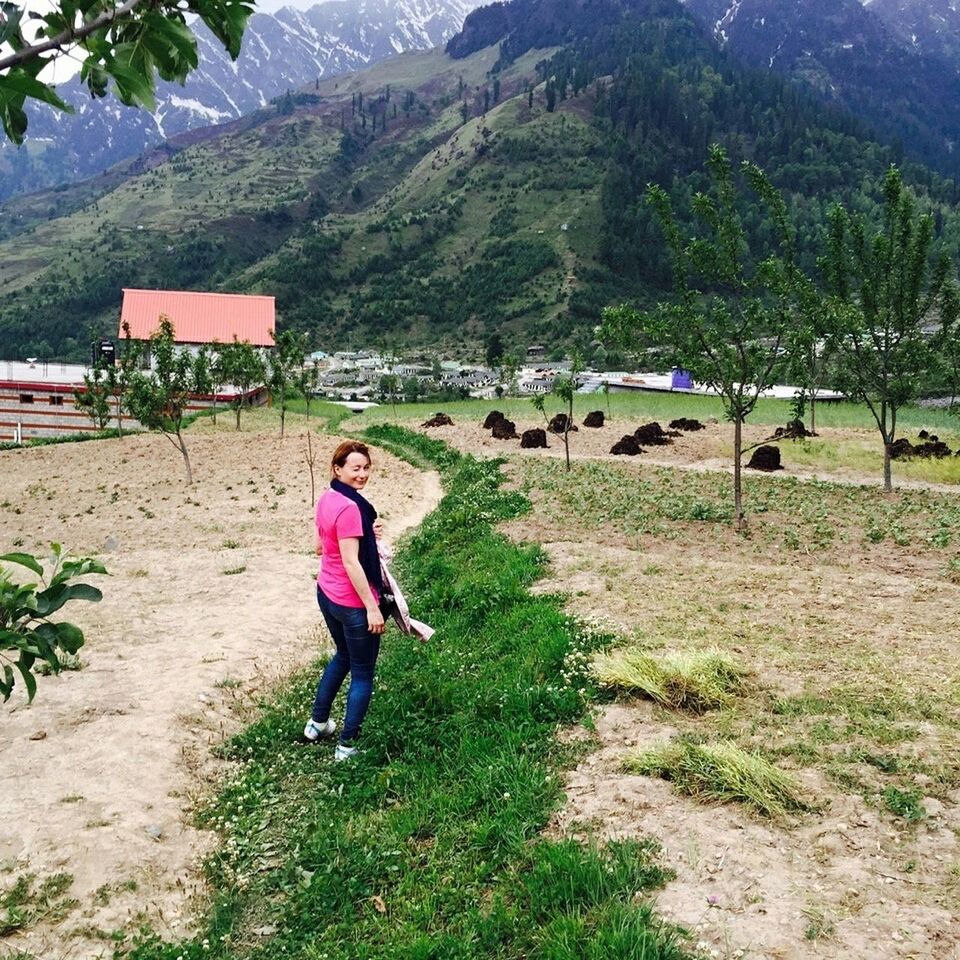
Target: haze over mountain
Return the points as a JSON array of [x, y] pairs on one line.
[[436, 198], [283, 50]]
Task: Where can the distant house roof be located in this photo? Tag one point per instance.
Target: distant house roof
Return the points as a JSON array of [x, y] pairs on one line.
[[200, 317]]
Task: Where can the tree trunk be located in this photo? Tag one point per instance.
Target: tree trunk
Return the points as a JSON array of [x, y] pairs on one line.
[[813, 413], [887, 470], [186, 457], [737, 491], [239, 405], [283, 414], [214, 408]]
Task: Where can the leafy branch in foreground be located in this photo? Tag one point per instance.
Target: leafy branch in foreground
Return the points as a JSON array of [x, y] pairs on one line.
[[27, 634], [128, 44]]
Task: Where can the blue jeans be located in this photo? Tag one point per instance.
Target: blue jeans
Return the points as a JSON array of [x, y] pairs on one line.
[[357, 650]]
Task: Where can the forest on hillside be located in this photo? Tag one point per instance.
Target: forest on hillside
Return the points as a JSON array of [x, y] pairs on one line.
[[378, 245]]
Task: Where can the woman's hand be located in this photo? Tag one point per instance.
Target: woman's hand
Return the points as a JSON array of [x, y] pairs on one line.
[[375, 622], [378, 528]]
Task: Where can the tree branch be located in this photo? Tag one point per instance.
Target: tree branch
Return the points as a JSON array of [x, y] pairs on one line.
[[70, 35]]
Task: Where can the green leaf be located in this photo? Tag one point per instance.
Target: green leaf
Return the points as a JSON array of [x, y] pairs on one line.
[[134, 84], [10, 28], [24, 560], [20, 83], [29, 680], [70, 637], [6, 685]]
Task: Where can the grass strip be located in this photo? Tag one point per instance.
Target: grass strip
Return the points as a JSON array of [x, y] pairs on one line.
[[695, 680], [429, 844], [720, 773]]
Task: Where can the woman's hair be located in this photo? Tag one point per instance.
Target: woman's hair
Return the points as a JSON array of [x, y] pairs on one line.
[[340, 455]]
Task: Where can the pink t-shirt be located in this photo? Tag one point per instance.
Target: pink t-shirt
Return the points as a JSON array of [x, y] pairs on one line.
[[337, 517]]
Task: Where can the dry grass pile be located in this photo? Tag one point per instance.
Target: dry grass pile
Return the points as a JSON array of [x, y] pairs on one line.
[[694, 680], [720, 773]]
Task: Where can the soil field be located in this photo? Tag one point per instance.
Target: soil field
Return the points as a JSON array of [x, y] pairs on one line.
[[209, 603], [840, 602]]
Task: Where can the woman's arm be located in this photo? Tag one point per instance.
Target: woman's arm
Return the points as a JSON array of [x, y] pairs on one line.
[[350, 555]]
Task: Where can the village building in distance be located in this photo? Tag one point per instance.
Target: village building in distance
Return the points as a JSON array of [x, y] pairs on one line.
[[37, 396]]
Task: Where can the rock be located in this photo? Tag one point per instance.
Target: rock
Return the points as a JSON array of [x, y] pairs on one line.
[[558, 424], [154, 831], [492, 417], [504, 429], [627, 446], [682, 423], [38, 735], [765, 458], [532, 439], [594, 419], [438, 420], [110, 545]]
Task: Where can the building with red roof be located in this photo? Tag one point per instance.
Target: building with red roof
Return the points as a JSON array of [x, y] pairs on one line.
[[200, 318]]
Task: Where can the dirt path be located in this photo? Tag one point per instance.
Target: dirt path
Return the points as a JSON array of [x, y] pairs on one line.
[[210, 601]]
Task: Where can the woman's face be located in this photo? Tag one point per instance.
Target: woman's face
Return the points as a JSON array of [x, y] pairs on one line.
[[355, 471]]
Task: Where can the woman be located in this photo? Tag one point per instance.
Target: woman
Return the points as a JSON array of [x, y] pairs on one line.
[[349, 588]]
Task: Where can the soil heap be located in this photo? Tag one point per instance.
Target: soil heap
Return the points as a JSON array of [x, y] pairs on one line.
[[438, 420], [627, 446], [531, 439], [594, 419], [559, 424], [766, 458]]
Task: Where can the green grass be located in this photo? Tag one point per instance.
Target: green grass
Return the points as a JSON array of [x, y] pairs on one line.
[[808, 517], [25, 904], [695, 680], [720, 773], [430, 845], [904, 803], [665, 407]]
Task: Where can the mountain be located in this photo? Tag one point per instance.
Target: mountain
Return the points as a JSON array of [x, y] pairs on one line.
[[861, 57], [931, 27], [280, 51], [437, 198]]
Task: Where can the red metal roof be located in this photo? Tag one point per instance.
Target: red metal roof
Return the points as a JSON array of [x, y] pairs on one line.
[[200, 317]]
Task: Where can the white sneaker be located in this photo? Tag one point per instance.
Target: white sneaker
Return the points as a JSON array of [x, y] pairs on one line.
[[319, 731], [343, 752]]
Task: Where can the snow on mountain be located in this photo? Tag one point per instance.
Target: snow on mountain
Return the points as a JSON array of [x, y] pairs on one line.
[[281, 51]]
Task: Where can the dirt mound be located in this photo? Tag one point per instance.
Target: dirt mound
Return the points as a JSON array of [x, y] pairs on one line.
[[627, 446], [531, 439], [594, 419], [794, 430], [558, 424], [492, 417], [653, 435], [766, 458], [438, 420], [683, 423], [504, 429], [933, 448]]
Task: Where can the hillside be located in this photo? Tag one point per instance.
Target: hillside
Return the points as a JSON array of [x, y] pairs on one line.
[[435, 199], [894, 63]]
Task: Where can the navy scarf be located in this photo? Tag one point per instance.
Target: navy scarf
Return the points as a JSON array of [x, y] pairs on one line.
[[369, 555]]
